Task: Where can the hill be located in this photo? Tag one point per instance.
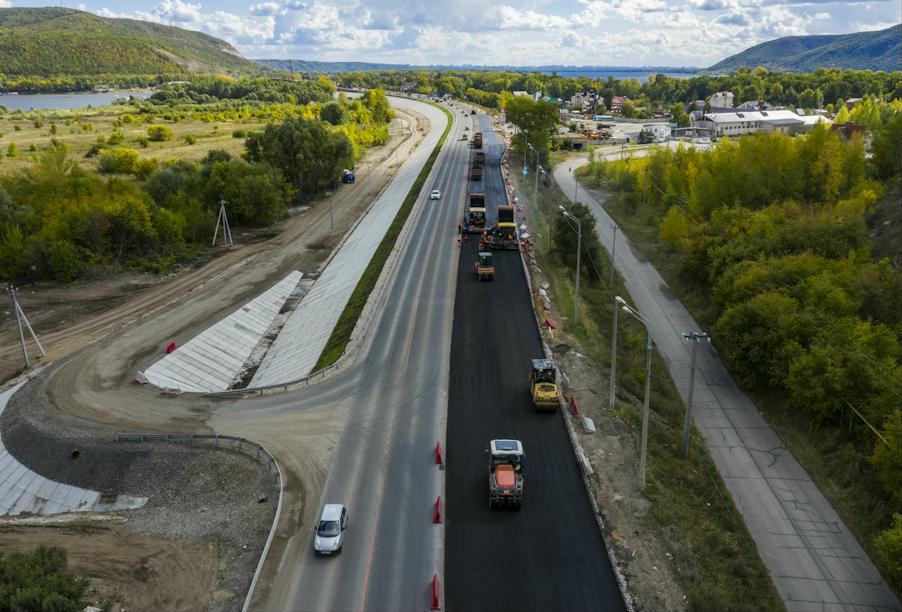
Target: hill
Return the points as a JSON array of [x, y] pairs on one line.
[[317, 67], [880, 50], [57, 41]]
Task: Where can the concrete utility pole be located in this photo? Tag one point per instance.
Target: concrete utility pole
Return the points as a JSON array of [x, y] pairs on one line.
[[697, 338], [21, 318], [579, 249], [645, 407]]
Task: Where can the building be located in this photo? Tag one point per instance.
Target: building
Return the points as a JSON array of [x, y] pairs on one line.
[[738, 123], [852, 103], [848, 130], [753, 105], [617, 102], [722, 99]]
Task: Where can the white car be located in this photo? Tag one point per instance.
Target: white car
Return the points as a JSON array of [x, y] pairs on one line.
[[330, 530], [435, 195]]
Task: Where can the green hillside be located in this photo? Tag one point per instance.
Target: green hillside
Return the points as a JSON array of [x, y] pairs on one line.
[[880, 50], [56, 41]]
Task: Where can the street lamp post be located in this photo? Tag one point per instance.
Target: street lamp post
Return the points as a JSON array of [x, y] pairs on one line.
[[614, 227], [648, 346], [579, 248], [697, 338]]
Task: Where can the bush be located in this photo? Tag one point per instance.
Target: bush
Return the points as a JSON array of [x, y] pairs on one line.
[[117, 161], [12, 150], [115, 138], [189, 139], [239, 134], [40, 581], [159, 133]]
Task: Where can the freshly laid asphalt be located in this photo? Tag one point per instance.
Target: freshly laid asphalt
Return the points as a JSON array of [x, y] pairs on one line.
[[549, 555]]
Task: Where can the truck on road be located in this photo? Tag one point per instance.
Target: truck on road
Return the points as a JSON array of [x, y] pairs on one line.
[[507, 474], [479, 158], [476, 173], [477, 140], [474, 219]]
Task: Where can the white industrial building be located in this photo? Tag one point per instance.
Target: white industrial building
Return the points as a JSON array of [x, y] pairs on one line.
[[747, 122], [722, 99]]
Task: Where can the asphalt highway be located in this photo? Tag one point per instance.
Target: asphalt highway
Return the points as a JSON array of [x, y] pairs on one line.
[[549, 555], [383, 467]]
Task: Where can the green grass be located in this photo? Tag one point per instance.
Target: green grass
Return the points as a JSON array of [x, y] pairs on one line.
[[715, 560], [839, 470], [338, 341]]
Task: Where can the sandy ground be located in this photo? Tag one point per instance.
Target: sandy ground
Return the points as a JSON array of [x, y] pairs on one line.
[[100, 333], [127, 571]]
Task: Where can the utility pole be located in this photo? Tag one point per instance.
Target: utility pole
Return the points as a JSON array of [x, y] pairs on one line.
[[614, 227], [223, 220], [697, 338], [21, 318]]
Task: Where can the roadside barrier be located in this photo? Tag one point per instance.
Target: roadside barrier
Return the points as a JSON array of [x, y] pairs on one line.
[[439, 460], [435, 605], [437, 511], [574, 406]]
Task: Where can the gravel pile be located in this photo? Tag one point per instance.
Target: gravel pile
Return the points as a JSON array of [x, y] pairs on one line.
[[201, 492]]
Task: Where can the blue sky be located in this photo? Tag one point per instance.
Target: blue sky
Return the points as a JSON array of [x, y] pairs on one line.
[[574, 32]]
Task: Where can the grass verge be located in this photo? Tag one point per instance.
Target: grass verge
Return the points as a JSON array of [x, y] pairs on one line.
[[715, 560], [840, 471], [338, 341]]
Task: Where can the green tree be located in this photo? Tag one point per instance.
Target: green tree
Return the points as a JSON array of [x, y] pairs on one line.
[[40, 581], [334, 112]]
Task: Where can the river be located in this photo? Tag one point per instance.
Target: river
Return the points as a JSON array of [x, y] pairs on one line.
[[64, 101]]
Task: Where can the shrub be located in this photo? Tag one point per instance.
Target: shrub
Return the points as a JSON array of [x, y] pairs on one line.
[[189, 139], [239, 134], [12, 150], [159, 133], [40, 580], [115, 138], [117, 161]]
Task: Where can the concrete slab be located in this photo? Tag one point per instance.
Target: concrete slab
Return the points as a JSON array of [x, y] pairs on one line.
[[211, 360], [300, 343], [22, 490]]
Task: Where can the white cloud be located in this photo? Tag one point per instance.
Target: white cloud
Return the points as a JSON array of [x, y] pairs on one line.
[[176, 10], [264, 9], [6, 3]]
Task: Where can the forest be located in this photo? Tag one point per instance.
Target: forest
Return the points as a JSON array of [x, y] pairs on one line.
[[773, 231], [810, 90], [62, 222]]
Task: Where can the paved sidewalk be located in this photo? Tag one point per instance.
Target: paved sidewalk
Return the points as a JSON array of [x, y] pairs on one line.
[[813, 559]]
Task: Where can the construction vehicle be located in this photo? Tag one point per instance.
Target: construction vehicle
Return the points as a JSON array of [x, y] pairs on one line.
[[543, 384], [477, 140], [474, 219], [507, 473], [479, 158], [506, 229], [476, 173], [485, 266]]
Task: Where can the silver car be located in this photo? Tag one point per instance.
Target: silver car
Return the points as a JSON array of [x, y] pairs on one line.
[[330, 530]]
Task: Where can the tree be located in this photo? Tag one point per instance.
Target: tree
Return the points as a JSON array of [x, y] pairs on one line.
[[308, 155], [335, 113], [377, 102], [40, 581], [537, 121], [565, 237]]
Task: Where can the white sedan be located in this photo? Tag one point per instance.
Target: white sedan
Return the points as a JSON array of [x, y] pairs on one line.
[[435, 195]]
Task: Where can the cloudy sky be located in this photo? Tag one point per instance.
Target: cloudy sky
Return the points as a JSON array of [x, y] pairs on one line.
[[571, 32]]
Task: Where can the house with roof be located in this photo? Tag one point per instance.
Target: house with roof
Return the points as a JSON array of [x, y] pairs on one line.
[[721, 99], [755, 105], [748, 122], [848, 130], [617, 102]]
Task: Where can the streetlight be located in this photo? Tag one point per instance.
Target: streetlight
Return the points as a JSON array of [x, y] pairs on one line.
[[579, 248], [697, 338], [614, 227], [648, 346]]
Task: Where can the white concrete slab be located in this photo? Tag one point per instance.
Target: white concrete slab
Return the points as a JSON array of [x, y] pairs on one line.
[[302, 340], [211, 360], [22, 490]]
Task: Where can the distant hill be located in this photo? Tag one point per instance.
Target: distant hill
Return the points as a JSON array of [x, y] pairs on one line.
[[56, 41], [881, 50], [335, 67]]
